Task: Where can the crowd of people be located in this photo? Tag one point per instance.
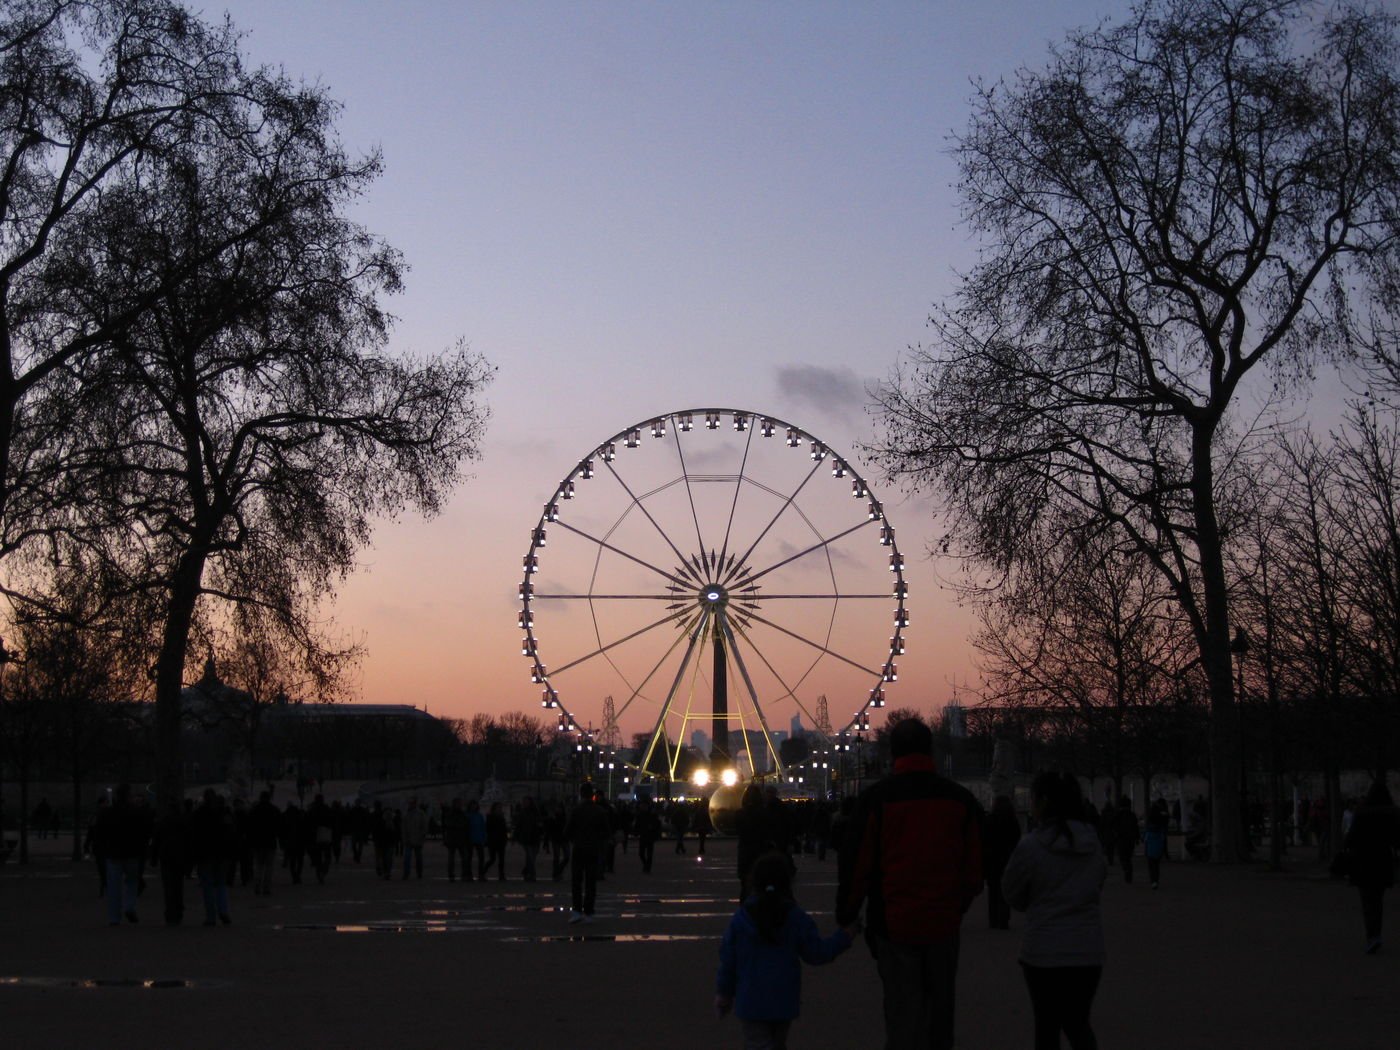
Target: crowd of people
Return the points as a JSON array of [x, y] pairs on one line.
[[913, 852], [224, 843]]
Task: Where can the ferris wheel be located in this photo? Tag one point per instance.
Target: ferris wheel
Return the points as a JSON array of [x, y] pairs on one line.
[[718, 572]]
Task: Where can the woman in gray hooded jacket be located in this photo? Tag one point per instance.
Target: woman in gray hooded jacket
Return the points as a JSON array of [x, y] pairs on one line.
[[1055, 875]]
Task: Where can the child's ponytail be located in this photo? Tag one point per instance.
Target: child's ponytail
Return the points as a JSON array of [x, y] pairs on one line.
[[771, 879]]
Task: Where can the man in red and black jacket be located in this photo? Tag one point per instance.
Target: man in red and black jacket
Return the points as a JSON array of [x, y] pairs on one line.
[[914, 852]]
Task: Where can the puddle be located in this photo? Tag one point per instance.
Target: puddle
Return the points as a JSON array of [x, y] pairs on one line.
[[158, 983], [447, 926], [616, 938]]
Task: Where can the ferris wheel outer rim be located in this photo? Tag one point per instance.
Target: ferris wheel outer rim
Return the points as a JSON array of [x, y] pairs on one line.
[[579, 471]]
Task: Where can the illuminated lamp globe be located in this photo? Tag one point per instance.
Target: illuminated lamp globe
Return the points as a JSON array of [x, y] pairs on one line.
[[700, 777]]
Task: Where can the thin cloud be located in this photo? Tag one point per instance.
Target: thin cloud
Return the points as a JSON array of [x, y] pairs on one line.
[[834, 393]]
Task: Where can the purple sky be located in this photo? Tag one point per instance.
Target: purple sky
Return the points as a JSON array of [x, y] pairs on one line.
[[632, 209]]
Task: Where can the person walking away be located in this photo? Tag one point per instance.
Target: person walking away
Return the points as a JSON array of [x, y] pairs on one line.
[[476, 840], [648, 827], [1002, 834], [94, 847], [263, 820], [382, 835], [123, 837], [415, 833], [680, 824], [293, 834], [1369, 852], [701, 823], [1126, 834], [761, 956], [588, 831], [361, 827], [555, 829], [917, 861], [497, 835], [212, 839], [527, 832], [1154, 843], [319, 837], [454, 839], [1056, 875]]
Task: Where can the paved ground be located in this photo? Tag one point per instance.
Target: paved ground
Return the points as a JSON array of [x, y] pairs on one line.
[[1216, 958]]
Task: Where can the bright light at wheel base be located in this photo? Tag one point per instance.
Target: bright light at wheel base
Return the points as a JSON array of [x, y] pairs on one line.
[[729, 778], [700, 777]]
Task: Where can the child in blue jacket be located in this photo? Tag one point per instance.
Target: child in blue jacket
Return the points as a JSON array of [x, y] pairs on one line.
[[761, 956]]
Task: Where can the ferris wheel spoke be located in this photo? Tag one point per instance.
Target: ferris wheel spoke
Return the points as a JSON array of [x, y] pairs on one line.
[[733, 650], [670, 649], [621, 641], [695, 635], [759, 597], [788, 691], [690, 495], [815, 645], [814, 548], [606, 597], [734, 504], [663, 573], [786, 504], [647, 514]]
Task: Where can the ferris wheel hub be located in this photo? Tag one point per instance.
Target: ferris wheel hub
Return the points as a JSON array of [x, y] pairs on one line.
[[713, 595]]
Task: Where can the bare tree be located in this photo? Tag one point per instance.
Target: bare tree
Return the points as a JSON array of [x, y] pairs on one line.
[[250, 426], [1174, 206], [1090, 638], [90, 94]]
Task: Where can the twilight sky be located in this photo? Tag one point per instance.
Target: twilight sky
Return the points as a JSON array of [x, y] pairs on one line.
[[632, 209]]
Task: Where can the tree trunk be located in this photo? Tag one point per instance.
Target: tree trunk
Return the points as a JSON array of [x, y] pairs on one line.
[[170, 678], [1228, 844]]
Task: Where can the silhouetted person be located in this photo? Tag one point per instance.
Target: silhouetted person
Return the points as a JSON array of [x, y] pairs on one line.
[[212, 838], [588, 831], [454, 839], [1002, 834], [761, 956], [700, 822], [476, 839], [263, 822], [1154, 842], [1370, 851], [382, 835], [1055, 875], [293, 834], [497, 835], [95, 848], [123, 837], [320, 836], [1125, 836], [528, 831], [414, 831], [918, 864], [648, 828], [680, 824]]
